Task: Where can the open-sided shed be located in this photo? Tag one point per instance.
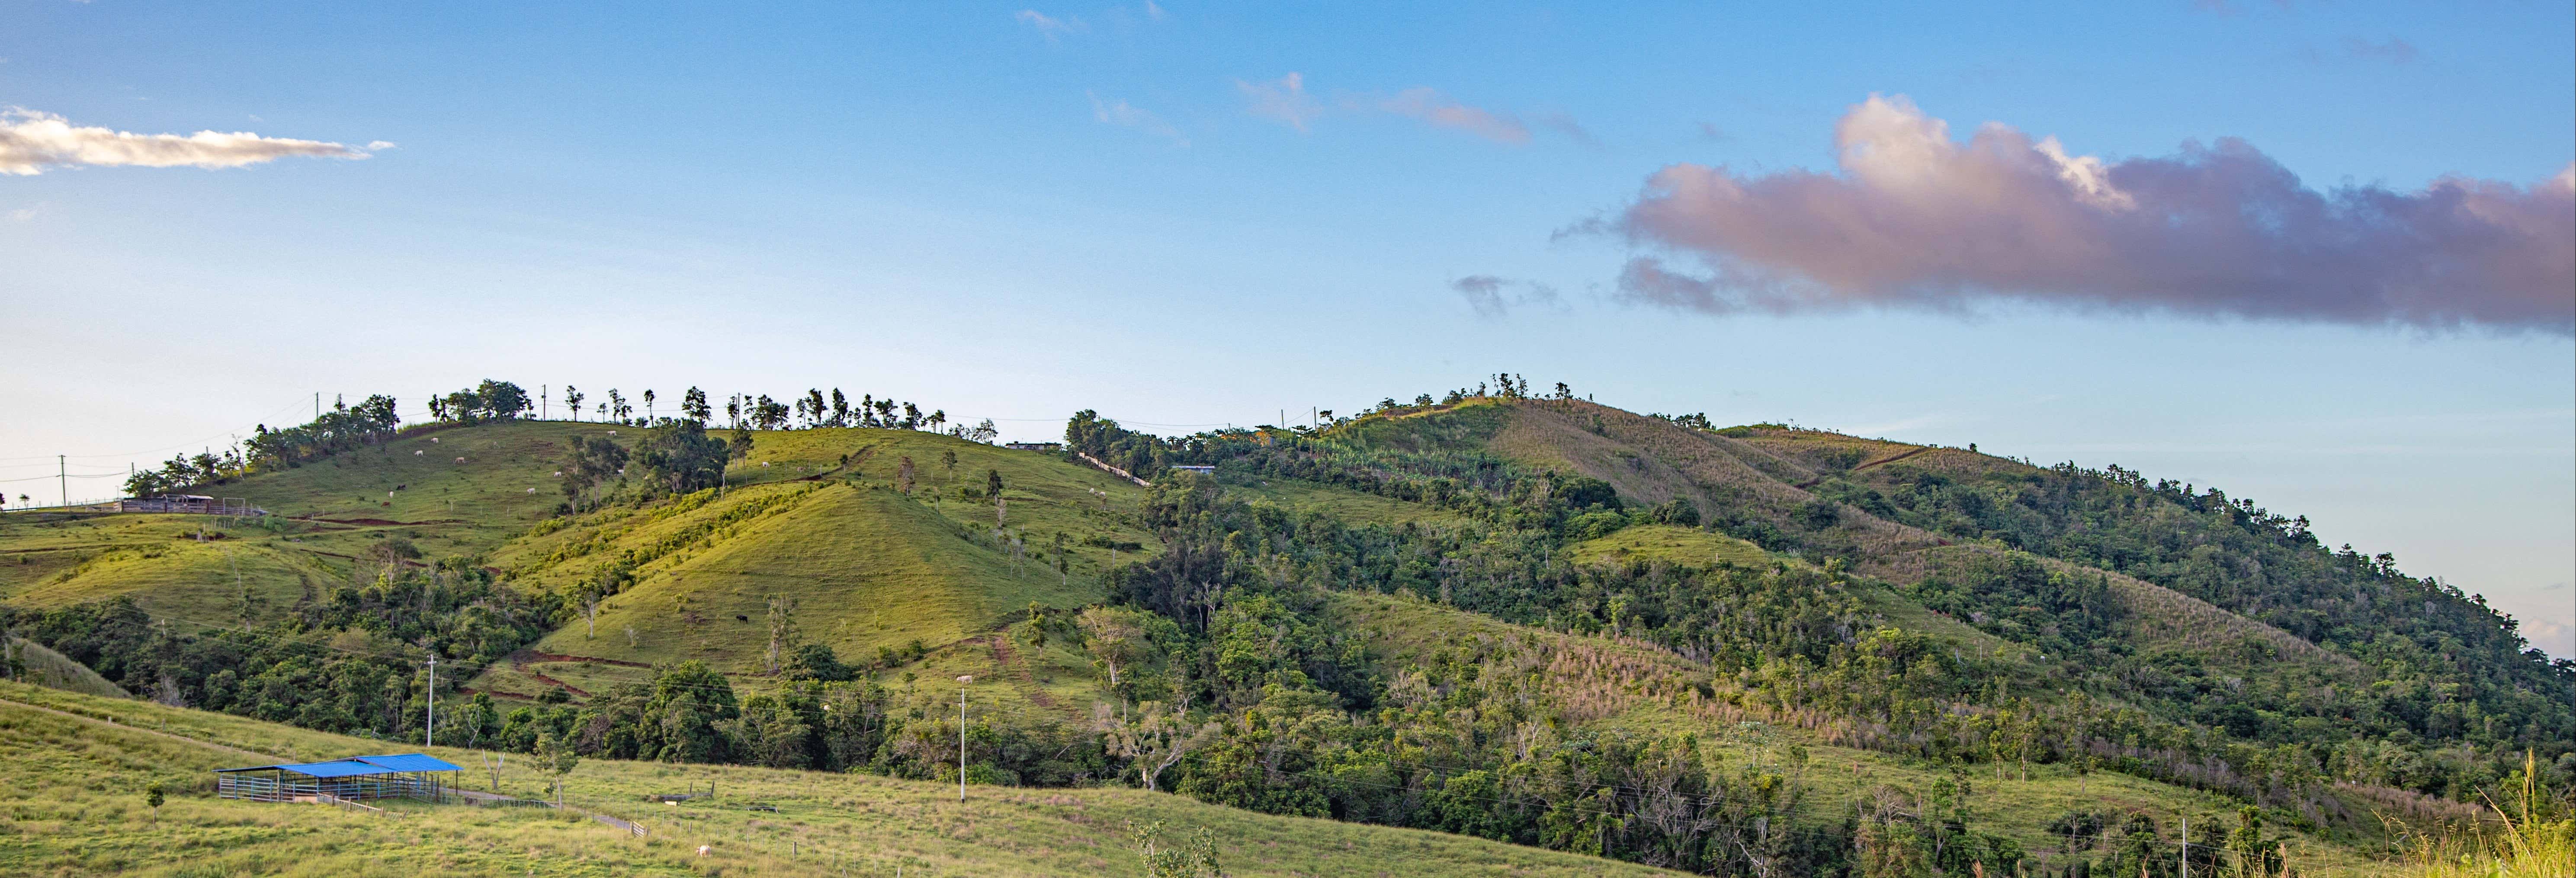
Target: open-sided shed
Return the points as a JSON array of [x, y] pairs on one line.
[[401, 775]]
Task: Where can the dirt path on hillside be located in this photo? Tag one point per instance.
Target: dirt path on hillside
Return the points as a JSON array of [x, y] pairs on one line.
[[1002, 655], [534, 655], [1810, 483], [114, 724]]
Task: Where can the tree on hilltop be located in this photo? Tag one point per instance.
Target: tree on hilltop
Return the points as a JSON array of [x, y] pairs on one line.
[[682, 458], [693, 405], [502, 399]]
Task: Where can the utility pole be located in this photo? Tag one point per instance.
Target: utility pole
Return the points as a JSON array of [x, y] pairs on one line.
[[2186, 845], [541, 401], [62, 473], [317, 405], [961, 735], [429, 735]]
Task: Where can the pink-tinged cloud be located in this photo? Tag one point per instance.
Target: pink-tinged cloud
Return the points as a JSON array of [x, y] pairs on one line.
[[1916, 219], [31, 141], [1439, 111]]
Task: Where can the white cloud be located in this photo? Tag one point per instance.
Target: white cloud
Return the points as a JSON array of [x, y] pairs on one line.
[[1121, 113], [31, 141], [1284, 99], [1049, 26], [1154, 12], [1439, 111], [23, 214]]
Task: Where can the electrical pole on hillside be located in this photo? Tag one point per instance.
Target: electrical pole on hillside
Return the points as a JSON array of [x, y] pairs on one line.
[[541, 401], [961, 735], [429, 734], [62, 474], [2186, 845]]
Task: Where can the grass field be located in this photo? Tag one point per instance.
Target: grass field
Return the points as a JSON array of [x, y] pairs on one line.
[[45, 667], [825, 524], [71, 803], [1352, 507], [159, 560], [1673, 543]]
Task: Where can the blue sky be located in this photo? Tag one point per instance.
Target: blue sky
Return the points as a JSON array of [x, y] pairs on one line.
[[1014, 211]]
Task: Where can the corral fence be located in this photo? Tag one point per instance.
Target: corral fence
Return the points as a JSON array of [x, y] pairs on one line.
[[187, 505], [284, 787]]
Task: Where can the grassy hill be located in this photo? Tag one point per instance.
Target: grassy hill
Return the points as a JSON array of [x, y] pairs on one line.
[[73, 769], [1764, 475], [1363, 616], [45, 667], [818, 518], [812, 516]]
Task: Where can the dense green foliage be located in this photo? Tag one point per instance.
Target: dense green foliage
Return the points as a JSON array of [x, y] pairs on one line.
[[2448, 669], [345, 658]]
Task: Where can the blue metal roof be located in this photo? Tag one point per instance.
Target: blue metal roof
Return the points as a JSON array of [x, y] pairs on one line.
[[409, 762], [360, 765], [334, 768]]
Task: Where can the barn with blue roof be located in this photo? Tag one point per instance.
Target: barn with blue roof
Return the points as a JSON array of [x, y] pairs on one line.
[[357, 778]]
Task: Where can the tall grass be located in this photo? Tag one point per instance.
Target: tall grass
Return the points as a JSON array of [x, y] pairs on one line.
[[2536, 840]]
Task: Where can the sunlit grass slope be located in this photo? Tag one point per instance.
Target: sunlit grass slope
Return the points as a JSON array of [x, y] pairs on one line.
[[1352, 507], [45, 667], [71, 803], [819, 518], [1670, 543], [158, 560]]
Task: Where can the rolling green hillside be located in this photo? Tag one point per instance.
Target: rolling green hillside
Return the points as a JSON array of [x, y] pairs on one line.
[[818, 518], [1545, 622], [45, 667], [1762, 477]]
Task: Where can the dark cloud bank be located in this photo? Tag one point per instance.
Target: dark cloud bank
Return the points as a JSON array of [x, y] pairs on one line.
[[1915, 219]]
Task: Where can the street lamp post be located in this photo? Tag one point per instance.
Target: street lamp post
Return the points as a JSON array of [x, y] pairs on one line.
[[961, 734]]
